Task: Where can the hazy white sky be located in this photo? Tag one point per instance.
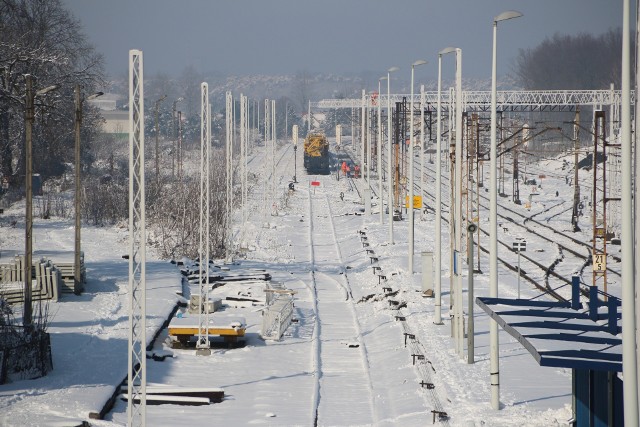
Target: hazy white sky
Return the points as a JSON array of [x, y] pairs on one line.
[[329, 36]]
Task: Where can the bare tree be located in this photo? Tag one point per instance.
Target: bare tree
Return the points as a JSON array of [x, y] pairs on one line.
[[43, 39]]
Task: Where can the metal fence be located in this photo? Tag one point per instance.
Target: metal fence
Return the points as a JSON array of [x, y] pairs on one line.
[[278, 312]]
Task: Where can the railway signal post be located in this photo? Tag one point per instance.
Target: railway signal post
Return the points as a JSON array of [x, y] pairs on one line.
[[294, 134], [520, 245]]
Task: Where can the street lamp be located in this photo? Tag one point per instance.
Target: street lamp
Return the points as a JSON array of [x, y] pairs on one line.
[[493, 219], [157, 105], [458, 202], [77, 272], [422, 147], [380, 148], [629, 352], [175, 134], [363, 133], [411, 155], [389, 162], [28, 252], [438, 261]]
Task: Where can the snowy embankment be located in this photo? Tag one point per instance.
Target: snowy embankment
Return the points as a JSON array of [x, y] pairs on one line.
[[89, 332]]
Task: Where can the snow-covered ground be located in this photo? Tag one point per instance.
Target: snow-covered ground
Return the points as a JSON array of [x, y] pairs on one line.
[[346, 361]]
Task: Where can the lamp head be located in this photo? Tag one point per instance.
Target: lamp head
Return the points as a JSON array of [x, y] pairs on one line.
[[447, 50], [509, 14], [419, 62], [382, 78], [95, 95], [392, 69], [47, 89]]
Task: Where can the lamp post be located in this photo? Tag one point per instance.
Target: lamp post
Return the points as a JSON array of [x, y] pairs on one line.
[[294, 134], [458, 203], [379, 150], [422, 147], [493, 219], [363, 133], [438, 302], [157, 105], [629, 352], [411, 156], [29, 114], [175, 134], [389, 162], [77, 273]]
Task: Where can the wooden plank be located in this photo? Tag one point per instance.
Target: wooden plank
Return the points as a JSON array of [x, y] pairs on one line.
[[183, 330], [169, 400], [211, 393]]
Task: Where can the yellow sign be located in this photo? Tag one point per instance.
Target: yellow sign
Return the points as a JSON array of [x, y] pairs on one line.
[[417, 202], [599, 263]]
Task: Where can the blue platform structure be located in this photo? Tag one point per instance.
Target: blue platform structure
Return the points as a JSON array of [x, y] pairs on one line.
[[566, 335]]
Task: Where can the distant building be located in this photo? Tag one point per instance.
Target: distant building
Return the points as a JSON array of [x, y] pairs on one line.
[[115, 121], [103, 104]]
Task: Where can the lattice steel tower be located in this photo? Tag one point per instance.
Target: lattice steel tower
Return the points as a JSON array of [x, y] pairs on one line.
[[137, 372], [203, 251]]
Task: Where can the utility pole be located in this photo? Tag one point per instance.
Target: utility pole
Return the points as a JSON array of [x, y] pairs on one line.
[[363, 135], [576, 185], [516, 176], [28, 226], [77, 274], [471, 228], [29, 115], [157, 105], [180, 145], [77, 266], [294, 132], [175, 135]]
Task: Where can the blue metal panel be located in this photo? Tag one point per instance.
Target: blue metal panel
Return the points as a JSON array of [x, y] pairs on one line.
[[582, 397], [618, 402], [600, 402]]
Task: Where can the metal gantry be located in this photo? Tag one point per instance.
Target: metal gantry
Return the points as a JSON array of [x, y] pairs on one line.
[[203, 251], [515, 100], [137, 368]]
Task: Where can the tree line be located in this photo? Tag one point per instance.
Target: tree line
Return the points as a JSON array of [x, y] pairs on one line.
[[572, 62]]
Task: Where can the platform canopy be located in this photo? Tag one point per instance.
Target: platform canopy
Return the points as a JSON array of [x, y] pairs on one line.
[[555, 334]]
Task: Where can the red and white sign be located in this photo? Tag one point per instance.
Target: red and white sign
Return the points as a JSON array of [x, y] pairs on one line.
[[315, 183]]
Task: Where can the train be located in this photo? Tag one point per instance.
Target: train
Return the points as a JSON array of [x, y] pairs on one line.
[[316, 153]]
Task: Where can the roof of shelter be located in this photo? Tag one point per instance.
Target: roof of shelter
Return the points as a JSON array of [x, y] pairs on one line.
[[555, 334]]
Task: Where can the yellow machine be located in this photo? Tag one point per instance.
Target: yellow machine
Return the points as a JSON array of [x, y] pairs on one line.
[[316, 153]]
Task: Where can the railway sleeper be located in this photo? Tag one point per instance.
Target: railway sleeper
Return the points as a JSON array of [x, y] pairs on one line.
[[440, 414]]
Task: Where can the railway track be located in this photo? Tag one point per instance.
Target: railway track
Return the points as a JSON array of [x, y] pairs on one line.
[[343, 384], [549, 234]]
